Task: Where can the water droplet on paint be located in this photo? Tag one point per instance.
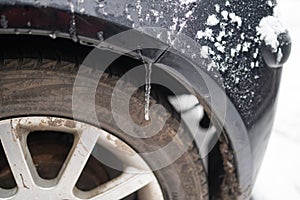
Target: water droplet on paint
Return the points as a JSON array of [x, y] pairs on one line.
[[53, 35], [3, 21]]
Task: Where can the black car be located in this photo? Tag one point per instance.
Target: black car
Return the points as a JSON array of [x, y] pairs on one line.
[[137, 99]]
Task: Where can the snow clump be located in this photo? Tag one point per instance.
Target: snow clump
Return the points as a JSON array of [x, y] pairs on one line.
[[212, 20], [269, 29]]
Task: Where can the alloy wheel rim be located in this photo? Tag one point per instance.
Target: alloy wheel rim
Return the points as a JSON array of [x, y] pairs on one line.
[[135, 177]]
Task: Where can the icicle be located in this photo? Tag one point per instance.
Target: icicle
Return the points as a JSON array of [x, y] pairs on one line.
[[100, 36], [72, 29], [148, 69]]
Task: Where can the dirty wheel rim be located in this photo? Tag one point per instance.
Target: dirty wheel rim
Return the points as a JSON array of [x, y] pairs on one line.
[[135, 178]]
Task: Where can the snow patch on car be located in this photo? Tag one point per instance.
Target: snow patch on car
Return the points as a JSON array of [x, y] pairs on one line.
[[212, 20], [235, 18], [207, 34], [269, 29], [186, 2], [226, 24], [225, 14], [205, 51]]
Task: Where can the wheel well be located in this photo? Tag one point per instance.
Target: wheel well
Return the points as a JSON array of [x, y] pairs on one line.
[[219, 174]]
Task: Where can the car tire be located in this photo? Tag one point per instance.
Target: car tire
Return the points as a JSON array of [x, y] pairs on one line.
[[38, 79]]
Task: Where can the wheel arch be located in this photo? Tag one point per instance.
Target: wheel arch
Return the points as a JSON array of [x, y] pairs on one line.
[[226, 117]]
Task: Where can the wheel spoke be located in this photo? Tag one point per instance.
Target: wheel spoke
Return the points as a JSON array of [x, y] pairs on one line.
[[122, 186], [78, 157], [6, 194], [19, 160]]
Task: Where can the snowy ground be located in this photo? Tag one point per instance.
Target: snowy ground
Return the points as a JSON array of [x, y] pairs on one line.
[[279, 177]]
